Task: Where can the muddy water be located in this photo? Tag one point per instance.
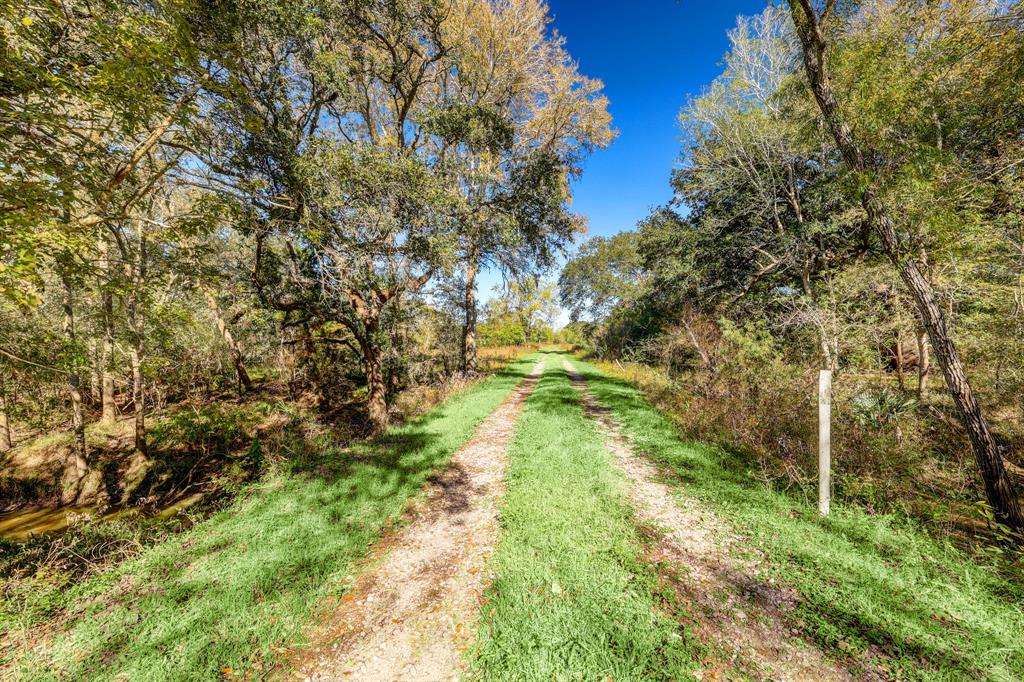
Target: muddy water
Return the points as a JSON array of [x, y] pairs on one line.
[[19, 524]]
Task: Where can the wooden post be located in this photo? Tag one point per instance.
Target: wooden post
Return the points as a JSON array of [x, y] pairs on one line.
[[824, 441]]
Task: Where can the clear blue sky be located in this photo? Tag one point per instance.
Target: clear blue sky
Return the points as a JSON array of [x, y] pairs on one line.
[[651, 55]]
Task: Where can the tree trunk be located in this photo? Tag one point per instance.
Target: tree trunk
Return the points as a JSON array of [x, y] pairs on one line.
[[924, 367], [899, 360], [5, 424], [998, 486], [244, 382], [107, 351], [376, 403], [818, 314], [309, 361], [705, 357], [137, 353], [94, 395], [469, 332], [80, 451]]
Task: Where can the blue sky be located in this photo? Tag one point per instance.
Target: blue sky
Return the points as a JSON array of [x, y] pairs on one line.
[[651, 55]]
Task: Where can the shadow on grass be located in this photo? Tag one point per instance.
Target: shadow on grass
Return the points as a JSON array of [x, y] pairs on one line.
[[238, 588]]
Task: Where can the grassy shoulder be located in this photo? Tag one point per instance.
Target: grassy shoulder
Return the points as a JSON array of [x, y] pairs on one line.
[[874, 587], [227, 596], [573, 598]]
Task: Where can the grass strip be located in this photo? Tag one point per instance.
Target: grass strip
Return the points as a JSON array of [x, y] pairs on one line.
[[222, 599], [572, 598], [874, 584]]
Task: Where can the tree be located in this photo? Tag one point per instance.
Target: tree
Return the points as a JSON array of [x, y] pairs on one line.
[[520, 122], [339, 175], [871, 165], [72, 365], [191, 190], [93, 90], [93, 93], [605, 272], [409, 137], [244, 382], [768, 201], [525, 312]]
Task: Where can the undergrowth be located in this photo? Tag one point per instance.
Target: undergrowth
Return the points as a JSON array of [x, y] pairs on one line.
[[755, 396]]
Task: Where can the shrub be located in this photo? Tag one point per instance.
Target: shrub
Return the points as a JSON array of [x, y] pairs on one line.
[[876, 408]]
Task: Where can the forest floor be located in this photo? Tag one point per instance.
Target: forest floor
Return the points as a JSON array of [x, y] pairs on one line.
[[547, 524]]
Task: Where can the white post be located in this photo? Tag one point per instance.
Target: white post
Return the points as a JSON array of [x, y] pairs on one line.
[[824, 441]]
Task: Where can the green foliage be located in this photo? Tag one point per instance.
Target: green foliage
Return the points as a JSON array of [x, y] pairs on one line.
[[604, 273], [210, 430], [752, 346], [502, 332], [92, 80], [878, 408], [476, 125], [525, 312]]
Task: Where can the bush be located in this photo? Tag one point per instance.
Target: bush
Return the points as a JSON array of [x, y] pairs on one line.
[[876, 408], [740, 390], [208, 430]]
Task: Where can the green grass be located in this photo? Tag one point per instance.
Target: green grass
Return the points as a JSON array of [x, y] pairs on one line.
[[239, 587], [572, 597], [869, 583]]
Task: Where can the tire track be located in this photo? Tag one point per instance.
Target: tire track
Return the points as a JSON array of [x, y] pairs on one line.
[[412, 615], [742, 616]]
